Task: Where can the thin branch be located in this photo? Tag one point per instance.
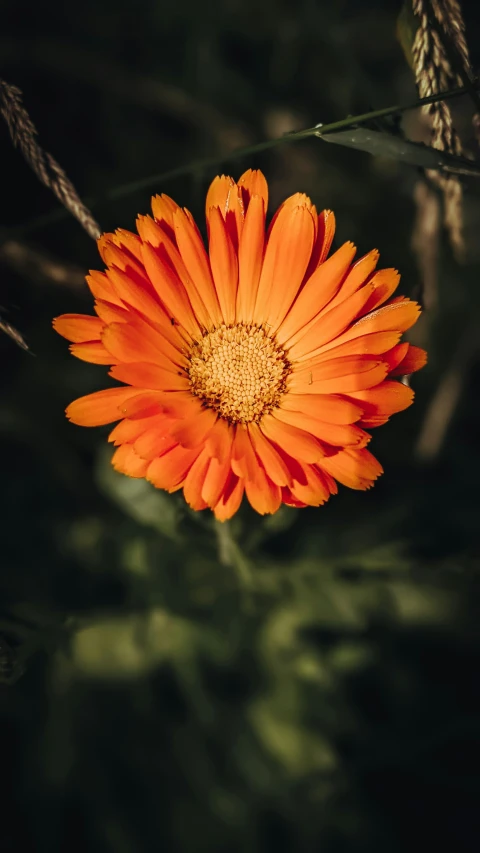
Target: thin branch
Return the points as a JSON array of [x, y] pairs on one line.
[[381, 113], [318, 130], [198, 166], [23, 134]]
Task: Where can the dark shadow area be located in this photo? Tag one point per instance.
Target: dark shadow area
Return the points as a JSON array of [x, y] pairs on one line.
[[332, 701]]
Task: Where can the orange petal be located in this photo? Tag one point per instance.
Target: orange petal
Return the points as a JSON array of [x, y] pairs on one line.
[[92, 351], [394, 356], [315, 295], [301, 445], [286, 257], [102, 288], [128, 430], [167, 252], [338, 435], [327, 407], [102, 243], [219, 441], [323, 240], [163, 208], [156, 232], [156, 440], [375, 343], [128, 242], [143, 405], [215, 481], [414, 360], [250, 259], [224, 264], [78, 327], [364, 374], [193, 431], [385, 283], [274, 465], [357, 469], [99, 408], [374, 421], [111, 313], [113, 255], [244, 462], [138, 293], [292, 259], [384, 400], [169, 471], [196, 262], [263, 495], [335, 368], [126, 461], [290, 500], [192, 487], [179, 404], [357, 276], [224, 194], [169, 288], [220, 193], [295, 466], [136, 341], [290, 203], [253, 183], [151, 376], [231, 498], [396, 316], [329, 325], [315, 491]]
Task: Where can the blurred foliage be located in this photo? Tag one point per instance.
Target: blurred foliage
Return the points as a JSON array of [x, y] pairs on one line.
[[301, 682]]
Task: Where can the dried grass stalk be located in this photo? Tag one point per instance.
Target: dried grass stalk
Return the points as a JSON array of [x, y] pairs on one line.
[[14, 334], [425, 242], [23, 134], [434, 73]]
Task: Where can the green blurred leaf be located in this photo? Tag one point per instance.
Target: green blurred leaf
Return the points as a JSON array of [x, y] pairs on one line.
[[421, 605], [132, 645], [347, 657], [280, 520], [381, 144], [149, 506], [385, 557], [299, 750]]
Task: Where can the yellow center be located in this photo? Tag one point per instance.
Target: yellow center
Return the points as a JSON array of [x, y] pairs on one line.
[[239, 371]]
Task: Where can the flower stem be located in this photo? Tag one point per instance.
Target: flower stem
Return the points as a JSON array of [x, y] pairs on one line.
[[230, 555]]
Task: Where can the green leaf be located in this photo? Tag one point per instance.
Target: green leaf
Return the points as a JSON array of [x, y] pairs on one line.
[[382, 144], [140, 500], [128, 646], [421, 605], [297, 749]]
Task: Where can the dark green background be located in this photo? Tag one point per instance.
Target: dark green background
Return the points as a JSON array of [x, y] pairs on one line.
[[320, 689]]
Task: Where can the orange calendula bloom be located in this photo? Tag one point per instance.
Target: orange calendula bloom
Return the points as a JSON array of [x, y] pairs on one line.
[[255, 366]]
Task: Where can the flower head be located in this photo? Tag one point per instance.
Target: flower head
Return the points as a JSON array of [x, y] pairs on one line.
[[255, 367]]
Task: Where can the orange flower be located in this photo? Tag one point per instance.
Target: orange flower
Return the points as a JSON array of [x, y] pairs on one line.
[[252, 368]]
